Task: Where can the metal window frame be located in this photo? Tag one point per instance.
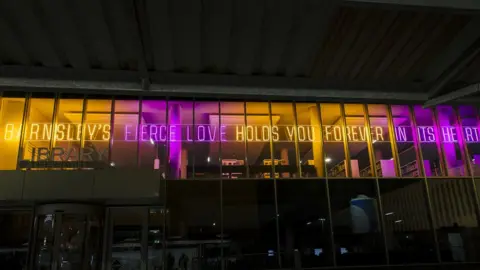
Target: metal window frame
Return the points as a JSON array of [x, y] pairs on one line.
[[25, 117], [348, 166], [393, 142], [298, 165]]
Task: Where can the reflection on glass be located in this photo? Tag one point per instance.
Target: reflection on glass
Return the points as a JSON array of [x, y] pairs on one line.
[[250, 233], [44, 242], [257, 133], [469, 123], [194, 239], [14, 238], [356, 223], [11, 116], [427, 134], [304, 223], [357, 137], [284, 134], [405, 137], [407, 224], [126, 235], [382, 148], [456, 221], [333, 143], [72, 237], [233, 149]]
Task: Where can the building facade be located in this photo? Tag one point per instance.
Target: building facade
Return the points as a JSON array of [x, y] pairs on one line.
[[122, 182]]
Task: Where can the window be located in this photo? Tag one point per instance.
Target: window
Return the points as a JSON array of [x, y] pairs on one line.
[[233, 141], [14, 239], [310, 144], [153, 135], [381, 144], [284, 134], [357, 137], [124, 153], [405, 136], [333, 143], [207, 135], [257, 133], [11, 116], [97, 131]]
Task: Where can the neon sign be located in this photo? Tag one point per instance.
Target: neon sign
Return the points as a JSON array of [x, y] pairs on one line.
[[70, 132]]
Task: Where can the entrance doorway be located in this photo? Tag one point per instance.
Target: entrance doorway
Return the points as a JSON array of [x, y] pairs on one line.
[[67, 236]]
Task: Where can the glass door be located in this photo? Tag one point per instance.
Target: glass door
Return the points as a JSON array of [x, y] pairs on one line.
[[68, 237]]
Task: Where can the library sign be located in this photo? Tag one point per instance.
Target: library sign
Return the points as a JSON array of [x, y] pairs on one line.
[[96, 132]]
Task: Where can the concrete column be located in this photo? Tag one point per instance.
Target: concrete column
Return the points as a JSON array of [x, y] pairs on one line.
[[175, 143], [317, 145]]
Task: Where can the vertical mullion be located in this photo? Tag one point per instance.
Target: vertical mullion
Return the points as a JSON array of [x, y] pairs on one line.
[[54, 123], [139, 126], [23, 127], [144, 238], [393, 141], [56, 239], [167, 152], [297, 149], [327, 187], [272, 176], [33, 240], [348, 165], [247, 166], [107, 241], [112, 129], [82, 130], [194, 136], [441, 154], [221, 186], [421, 166], [377, 184]]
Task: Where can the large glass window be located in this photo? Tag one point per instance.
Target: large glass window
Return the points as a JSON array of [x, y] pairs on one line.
[[428, 134], [382, 147], [233, 141], [193, 225], [11, 116], [250, 231], [153, 135], [469, 124], [97, 131], [207, 135], [451, 141], [410, 164], [456, 221], [68, 125], [305, 234], [408, 228], [310, 145], [257, 133], [357, 136], [40, 129], [333, 143], [356, 222], [124, 153], [284, 134]]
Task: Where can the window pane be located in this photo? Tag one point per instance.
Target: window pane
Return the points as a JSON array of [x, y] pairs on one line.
[[333, 140], [125, 134], [456, 220], [233, 141], [283, 138], [304, 223], [357, 140], [15, 228], [469, 123], [404, 136], [156, 221], [428, 134], [97, 130], [356, 225], [407, 224], [207, 140], [451, 139], [11, 116], [69, 130], [382, 147], [38, 130], [153, 135], [258, 139], [193, 224], [310, 148], [126, 245], [249, 224]]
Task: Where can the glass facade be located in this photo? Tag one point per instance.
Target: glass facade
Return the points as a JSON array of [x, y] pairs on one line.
[[258, 185]]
